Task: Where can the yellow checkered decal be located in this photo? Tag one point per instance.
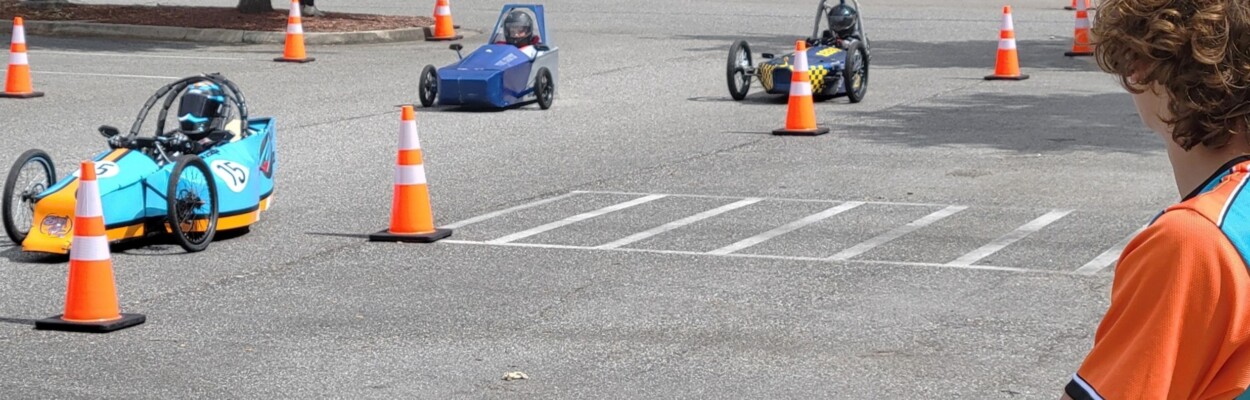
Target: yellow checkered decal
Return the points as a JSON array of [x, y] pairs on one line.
[[817, 74], [766, 76]]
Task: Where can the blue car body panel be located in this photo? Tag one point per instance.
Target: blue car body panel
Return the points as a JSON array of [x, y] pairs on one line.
[[824, 66], [133, 186], [497, 75]]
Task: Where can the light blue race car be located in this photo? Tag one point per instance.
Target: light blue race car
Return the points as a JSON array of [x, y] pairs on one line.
[[167, 183]]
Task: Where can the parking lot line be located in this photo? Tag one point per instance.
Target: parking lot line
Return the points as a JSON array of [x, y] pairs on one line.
[[781, 230], [756, 256], [574, 219], [895, 233], [679, 223], [1011, 237], [5, 71], [787, 199], [1107, 257], [131, 55], [490, 215]]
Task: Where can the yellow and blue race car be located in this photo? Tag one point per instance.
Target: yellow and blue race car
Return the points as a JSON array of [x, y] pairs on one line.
[[212, 173], [838, 59]]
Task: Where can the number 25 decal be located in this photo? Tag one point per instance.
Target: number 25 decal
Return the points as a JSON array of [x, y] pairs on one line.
[[231, 173], [104, 169]]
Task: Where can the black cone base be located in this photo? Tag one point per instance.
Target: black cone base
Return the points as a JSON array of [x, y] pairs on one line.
[[1078, 54], [20, 95], [295, 60], [1007, 78], [813, 132], [437, 39], [386, 236], [58, 324]]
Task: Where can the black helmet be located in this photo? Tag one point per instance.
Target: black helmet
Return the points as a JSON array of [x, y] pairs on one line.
[[518, 28], [842, 20], [201, 110]]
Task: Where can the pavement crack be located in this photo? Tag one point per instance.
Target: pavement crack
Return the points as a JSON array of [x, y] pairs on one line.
[[240, 277], [358, 117], [543, 313]]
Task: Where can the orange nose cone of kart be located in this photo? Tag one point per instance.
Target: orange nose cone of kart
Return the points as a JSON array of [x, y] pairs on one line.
[[52, 229]]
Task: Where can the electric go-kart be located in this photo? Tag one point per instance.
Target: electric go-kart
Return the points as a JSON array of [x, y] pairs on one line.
[[837, 59], [498, 74], [152, 185]]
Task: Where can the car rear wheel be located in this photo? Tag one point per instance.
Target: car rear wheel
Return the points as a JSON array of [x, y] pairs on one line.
[[544, 89], [32, 174], [192, 204], [738, 69], [429, 85], [855, 75]]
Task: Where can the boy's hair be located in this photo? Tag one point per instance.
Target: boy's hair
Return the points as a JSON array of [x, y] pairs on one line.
[[1198, 51]]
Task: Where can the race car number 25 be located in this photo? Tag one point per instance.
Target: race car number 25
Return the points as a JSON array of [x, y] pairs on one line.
[[233, 174]]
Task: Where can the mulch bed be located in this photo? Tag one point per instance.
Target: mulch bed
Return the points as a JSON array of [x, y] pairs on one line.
[[209, 17]]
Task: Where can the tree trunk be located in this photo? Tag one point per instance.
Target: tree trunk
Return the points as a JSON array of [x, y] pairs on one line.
[[255, 6]]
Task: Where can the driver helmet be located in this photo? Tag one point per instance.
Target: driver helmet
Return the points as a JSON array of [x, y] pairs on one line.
[[518, 28], [201, 110], [842, 20]]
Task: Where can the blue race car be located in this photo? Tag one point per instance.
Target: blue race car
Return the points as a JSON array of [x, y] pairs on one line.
[[517, 66], [169, 183], [837, 59]]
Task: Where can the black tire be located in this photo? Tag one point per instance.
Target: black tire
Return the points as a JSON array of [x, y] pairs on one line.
[[21, 200], [855, 74], [184, 199], [429, 85], [544, 89], [737, 73]]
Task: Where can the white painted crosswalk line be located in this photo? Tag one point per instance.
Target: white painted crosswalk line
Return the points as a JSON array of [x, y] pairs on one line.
[[487, 216], [781, 230], [679, 223], [574, 219], [895, 233], [1011, 237], [1105, 259]]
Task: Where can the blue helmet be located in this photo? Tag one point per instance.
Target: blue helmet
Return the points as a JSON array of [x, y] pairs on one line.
[[201, 110]]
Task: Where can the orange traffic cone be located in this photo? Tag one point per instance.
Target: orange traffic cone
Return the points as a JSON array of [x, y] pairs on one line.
[[294, 51], [1007, 66], [18, 83], [91, 298], [412, 219], [444, 29], [801, 114], [1080, 37]]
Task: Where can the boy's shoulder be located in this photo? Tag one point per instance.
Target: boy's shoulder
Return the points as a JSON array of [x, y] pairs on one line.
[[1219, 200]]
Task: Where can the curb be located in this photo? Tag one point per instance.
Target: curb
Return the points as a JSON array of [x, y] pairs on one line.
[[75, 28]]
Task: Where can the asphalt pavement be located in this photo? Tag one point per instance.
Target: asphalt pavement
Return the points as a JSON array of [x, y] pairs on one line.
[[646, 237]]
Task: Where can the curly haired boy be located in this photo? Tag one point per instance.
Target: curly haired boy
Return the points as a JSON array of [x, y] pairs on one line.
[[1178, 326]]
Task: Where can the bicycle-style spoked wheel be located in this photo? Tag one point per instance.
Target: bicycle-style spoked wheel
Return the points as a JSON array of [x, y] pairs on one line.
[[31, 175], [192, 202]]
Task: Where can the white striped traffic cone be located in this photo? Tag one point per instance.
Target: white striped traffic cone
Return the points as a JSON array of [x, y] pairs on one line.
[[412, 218], [800, 111], [18, 83], [294, 49], [91, 297], [1007, 64], [1080, 36], [444, 28]]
